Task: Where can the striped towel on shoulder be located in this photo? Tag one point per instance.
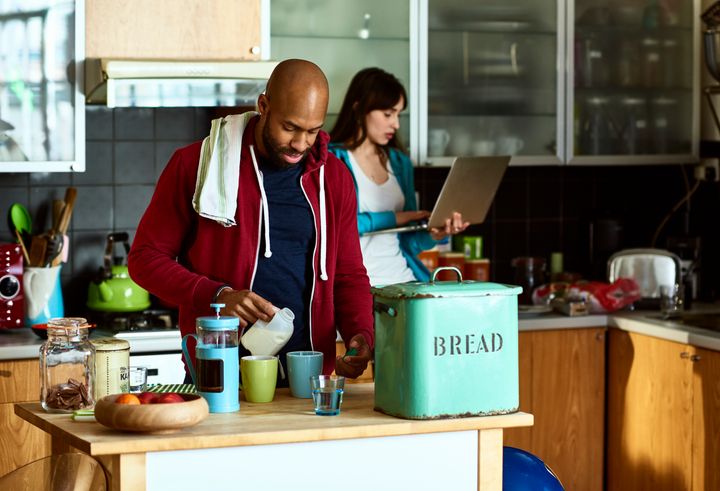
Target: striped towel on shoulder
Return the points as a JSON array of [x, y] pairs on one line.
[[216, 188]]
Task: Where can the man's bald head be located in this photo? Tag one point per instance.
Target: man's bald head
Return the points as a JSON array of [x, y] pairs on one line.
[[300, 83], [292, 111]]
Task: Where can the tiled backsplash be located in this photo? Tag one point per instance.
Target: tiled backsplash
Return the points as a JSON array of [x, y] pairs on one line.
[[540, 210], [537, 210], [126, 150]]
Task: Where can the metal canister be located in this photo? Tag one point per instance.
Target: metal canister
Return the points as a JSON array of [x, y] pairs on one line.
[[112, 363]]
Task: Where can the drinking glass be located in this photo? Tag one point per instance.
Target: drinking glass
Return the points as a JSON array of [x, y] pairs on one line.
[[327, 391], [671, 299], [138, 379]]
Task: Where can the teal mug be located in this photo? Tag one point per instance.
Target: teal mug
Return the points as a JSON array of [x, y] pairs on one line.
[[302, 365]]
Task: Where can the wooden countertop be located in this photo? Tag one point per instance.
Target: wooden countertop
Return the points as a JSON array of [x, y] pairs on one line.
[[285, 420]]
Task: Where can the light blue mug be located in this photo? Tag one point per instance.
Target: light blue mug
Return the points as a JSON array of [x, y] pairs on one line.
[[301, 366], [43, 295]]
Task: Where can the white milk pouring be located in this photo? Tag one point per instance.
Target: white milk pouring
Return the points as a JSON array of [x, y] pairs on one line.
[[268, 338]]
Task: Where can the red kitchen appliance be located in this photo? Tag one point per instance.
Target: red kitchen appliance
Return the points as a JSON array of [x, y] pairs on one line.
[[12, 309]]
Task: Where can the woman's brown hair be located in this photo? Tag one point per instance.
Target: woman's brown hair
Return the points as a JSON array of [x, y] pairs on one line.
[[370, 89]]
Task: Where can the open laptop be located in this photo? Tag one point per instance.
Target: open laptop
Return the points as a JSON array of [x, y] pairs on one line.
[[469, 189]]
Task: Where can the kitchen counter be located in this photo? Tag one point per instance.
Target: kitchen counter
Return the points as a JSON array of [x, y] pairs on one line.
[[20, 344], [253, 443]]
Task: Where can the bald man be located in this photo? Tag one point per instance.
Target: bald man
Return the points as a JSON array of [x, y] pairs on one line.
[[260, 216]]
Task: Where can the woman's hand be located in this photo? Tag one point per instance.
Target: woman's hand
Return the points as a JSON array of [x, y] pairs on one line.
[[405, 217], [453, 225]]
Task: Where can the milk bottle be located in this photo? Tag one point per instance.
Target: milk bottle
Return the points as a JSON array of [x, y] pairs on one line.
[[268, 338]]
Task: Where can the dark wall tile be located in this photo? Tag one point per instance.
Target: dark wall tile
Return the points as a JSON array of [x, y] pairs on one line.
[[98, 165], [94, 208], [98, 123], [511, 199], [130, 204], [14, 179], [134, 124], [163, 151], [545, 188], [544, 238], [174, 123], [510, 240], [134, 162], [50, 178], [88, 251]]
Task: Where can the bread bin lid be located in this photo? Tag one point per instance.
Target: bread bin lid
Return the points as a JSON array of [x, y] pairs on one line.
[[441, 289]]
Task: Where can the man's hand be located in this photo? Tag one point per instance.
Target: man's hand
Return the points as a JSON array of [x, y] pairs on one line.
[[405, 217], [353, 366], [245, 304]]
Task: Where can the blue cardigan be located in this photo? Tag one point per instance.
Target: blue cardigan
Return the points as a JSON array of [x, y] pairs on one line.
[[411, 243]]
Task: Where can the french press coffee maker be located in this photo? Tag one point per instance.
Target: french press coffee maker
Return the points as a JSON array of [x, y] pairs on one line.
[[216, 371]]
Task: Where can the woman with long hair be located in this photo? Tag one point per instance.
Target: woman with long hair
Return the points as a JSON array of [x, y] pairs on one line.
[[365, 137]]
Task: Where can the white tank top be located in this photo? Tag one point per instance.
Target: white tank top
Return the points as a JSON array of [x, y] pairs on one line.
[[383, 259]]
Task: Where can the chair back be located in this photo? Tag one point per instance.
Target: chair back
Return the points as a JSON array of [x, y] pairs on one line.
[[63, 472]]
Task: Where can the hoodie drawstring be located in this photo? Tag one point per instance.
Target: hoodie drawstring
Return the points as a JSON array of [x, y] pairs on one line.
[[266, 216], [323, 227], [263, 196]]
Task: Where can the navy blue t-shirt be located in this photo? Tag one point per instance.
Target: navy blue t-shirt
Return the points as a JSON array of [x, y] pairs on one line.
[[285, 278]]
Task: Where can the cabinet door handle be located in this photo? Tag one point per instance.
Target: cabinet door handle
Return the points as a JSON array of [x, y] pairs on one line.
[[255, 50], [695, 358], [684, 355]]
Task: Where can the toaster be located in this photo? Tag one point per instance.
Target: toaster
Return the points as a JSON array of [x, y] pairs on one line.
[[650, 268], [12, 305]]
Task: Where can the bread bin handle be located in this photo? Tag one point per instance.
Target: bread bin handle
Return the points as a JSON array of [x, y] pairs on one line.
[[382, 307], [446, 268]]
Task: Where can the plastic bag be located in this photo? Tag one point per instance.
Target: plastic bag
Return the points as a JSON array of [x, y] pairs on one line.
[[601, 297]]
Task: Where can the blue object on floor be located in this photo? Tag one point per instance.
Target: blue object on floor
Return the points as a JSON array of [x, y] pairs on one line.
[[522, 471]]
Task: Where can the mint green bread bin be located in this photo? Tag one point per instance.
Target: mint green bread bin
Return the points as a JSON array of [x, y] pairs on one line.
[[446, 349]]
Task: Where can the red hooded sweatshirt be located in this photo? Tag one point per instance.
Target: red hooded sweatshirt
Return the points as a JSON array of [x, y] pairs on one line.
[[184, 258]]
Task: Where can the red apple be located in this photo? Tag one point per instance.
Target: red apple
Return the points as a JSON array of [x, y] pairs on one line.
[[169, 397], [147, 397]]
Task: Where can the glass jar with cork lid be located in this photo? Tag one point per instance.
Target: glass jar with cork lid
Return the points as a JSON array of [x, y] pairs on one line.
[[67, 366]]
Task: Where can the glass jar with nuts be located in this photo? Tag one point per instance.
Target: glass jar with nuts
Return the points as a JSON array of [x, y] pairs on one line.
[[67, 366]]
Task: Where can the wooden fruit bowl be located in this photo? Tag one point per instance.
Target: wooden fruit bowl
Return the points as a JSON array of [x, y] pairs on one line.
[[151, 418]]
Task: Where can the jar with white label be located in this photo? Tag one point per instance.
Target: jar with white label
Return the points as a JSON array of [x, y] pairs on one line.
[[112, 364], [67, 366]]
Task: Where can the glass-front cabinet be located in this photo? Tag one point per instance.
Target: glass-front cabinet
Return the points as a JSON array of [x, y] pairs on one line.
[[634, 66], [42, 110], [556, 81], [345, 36], [493, 82], [547, 81]]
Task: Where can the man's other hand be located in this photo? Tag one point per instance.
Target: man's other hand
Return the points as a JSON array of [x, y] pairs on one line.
[[353, 366]]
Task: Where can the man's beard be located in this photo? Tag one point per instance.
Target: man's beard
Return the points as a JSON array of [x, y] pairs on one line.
[[275, 152]]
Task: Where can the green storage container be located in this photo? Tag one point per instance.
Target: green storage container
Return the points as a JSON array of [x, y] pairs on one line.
[[446, 349]]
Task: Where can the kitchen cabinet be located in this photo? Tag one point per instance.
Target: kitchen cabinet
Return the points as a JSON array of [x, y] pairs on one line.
[[372, 33], [490, 81], [554, 82], [175, 29], [42, 110], [20, 442], [706, 420], [663, 414], [562, 383]]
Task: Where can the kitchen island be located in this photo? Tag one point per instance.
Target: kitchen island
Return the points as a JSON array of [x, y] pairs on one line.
[[284, 445]]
